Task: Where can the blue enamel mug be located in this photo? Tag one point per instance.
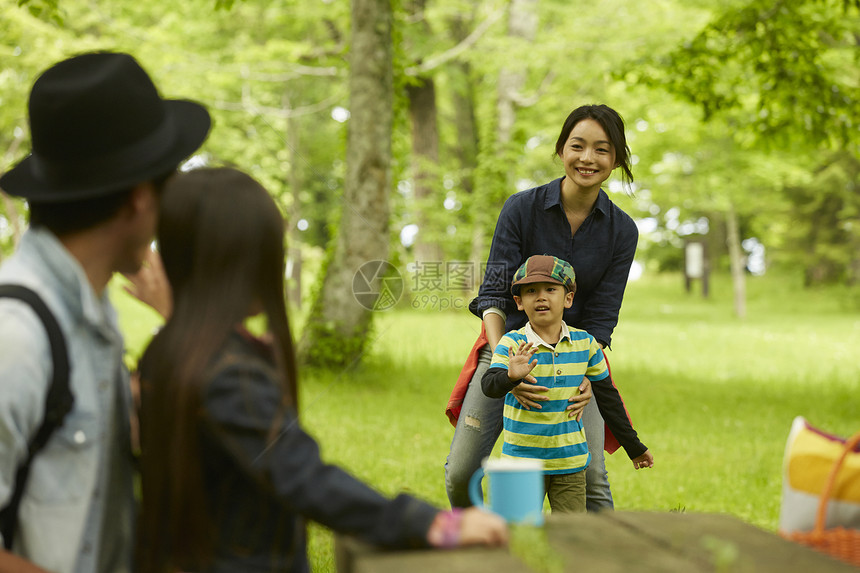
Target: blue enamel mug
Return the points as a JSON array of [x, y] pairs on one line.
[[515, 489]]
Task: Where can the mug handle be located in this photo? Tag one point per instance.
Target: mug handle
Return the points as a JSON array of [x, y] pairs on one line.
[[475, 494]]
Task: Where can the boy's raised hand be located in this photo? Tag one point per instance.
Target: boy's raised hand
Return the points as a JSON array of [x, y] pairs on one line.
[[527, 393], [520, 364]]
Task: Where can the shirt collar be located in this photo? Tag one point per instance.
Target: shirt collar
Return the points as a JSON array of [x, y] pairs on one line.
[[535, 339], [553, 198]]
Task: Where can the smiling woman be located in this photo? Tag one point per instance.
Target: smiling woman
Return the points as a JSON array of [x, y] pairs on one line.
[[573, 219]]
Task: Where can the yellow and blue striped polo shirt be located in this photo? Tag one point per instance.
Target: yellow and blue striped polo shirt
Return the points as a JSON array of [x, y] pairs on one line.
[[549, 434]]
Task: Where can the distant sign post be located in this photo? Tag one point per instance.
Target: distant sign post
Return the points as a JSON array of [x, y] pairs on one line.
[[696, 264]]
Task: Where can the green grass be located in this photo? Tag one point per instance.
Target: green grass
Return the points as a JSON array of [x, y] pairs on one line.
[[711, 395]]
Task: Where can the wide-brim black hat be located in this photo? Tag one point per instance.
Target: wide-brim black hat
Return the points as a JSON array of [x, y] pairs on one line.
[[99, 126]]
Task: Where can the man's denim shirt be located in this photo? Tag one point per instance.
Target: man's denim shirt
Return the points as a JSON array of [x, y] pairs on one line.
[[77, 511]]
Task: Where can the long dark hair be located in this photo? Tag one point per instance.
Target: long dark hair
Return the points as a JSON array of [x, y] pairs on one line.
[[221, 238], [611, 122]]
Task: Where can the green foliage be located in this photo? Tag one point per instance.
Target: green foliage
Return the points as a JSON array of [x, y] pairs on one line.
[[11, 224], [332, 347], [827, 231], [776, 83], [269, 74], [43, 9], [326, 344], [776, 70], [313, 329], [762, 73]]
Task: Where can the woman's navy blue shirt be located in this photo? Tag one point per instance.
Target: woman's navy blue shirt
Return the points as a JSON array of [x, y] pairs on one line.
[[533, 222]]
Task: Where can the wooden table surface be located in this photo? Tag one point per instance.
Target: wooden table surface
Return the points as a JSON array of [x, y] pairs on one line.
[[614, 542]]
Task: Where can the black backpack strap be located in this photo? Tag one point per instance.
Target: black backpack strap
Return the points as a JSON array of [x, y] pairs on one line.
[[58, 402]]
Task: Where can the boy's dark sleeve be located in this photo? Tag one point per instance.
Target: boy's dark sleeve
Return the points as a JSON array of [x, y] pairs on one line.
[[496, 383], [612, 409]]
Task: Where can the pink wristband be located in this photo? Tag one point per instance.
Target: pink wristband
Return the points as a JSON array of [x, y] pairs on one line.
[[445, 529]]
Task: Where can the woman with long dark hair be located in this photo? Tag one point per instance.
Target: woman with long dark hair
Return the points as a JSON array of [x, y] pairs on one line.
[[227, 473]]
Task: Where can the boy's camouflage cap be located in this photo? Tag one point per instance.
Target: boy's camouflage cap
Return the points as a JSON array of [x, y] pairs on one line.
[[544, 269]]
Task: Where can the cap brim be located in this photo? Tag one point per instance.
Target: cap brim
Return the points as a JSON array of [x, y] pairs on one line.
[[192, 123], [534, 279]]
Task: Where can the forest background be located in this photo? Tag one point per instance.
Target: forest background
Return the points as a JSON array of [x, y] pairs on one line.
[[391, 132]]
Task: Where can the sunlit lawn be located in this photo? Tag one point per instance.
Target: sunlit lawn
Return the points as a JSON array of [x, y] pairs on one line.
[[712, 396]]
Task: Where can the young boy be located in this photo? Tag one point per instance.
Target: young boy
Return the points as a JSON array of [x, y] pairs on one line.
[[548, 352]]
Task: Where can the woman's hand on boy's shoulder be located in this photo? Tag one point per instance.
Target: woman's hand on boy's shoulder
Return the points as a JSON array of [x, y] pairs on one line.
[[580, 400]]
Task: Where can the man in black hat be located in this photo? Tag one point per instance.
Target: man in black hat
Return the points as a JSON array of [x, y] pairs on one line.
[[104, 142]]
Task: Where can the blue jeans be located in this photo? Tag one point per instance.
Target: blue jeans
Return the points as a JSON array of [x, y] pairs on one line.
[[479, 427]]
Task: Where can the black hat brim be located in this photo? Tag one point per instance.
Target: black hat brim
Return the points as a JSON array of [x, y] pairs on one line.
[[192, 124]]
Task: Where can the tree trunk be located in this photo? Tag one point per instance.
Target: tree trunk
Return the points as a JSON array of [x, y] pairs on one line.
[[466, 146], [294, 178], [736, 262], [425, 161], [337, 327], [425, 143], [522, 27]]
